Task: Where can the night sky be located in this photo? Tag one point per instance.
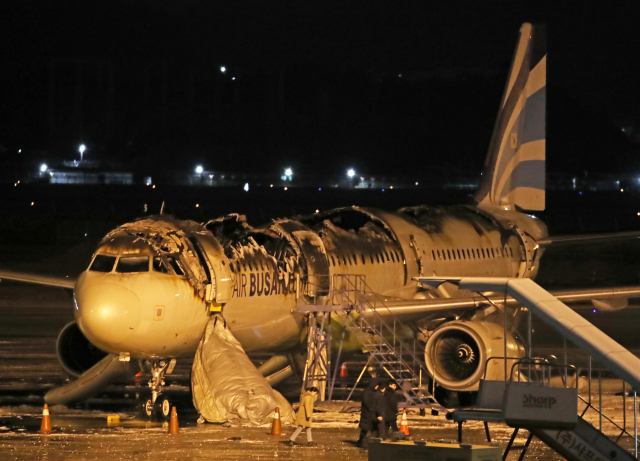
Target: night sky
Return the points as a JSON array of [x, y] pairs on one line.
[[387, 87]]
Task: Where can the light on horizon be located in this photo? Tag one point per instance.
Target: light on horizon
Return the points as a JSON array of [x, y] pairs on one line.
[[199, 169], [351, 172], [82, 149], [43, 167]]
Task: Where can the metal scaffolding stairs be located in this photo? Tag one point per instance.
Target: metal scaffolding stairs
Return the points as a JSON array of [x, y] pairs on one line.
[[501, 401], [388, 342]]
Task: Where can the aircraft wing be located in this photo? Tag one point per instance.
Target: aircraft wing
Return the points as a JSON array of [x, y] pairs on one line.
[[603, 298], [588, 238], [50, 280]]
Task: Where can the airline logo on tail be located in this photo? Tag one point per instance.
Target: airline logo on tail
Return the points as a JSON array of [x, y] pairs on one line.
[[514, 174]]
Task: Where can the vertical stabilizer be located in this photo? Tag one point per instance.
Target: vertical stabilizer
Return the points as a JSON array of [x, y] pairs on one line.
[[514, 173]]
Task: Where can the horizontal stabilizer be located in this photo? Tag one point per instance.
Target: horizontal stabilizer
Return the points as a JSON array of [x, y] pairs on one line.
[[588, 238]]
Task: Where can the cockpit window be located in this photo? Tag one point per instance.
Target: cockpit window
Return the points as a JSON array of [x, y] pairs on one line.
[[175, 265], [127, 264], [159, 265], [103, 263]]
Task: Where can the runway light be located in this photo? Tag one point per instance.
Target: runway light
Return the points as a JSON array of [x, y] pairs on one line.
[[197, 205], [43, 167], [85, 234], [153, 187], [319, 188], [223, 69], [351, 172], [621, 190], [288, 172], [199, 169], [233, 78], [270, 185], [210, 176], [286, 188], [82, 148], [594, 311], [391, 187], [416, 183], [33, 203], [19, 151], [317, 211], [246, 187], [382, 190]]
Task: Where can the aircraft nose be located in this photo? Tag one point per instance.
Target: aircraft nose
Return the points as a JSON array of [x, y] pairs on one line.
[[106, 313]]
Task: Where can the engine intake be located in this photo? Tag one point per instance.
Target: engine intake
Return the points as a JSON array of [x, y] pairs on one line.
[[456, 353], [75, 352]]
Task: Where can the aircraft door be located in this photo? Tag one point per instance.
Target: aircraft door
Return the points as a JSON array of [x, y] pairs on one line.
[[217, 265], [314, 253]]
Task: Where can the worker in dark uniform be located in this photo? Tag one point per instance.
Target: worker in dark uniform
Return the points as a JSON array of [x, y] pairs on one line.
[[381, 411], [367, 416], [392, 406]]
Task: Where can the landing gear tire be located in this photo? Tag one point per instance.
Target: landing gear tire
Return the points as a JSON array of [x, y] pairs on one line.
[[163, 409], [147, 409]]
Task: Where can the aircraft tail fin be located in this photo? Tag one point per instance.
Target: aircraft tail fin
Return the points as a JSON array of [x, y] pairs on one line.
[[514, 173]]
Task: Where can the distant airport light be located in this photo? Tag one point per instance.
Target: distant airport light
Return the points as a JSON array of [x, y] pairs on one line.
[[286, 188], [223, 69], [33, 203], [199, 169], [391, 187], [416, 183], [197, 205], [233, 78], [288, 172], [210, 176], [43, 167], [82, 150], [246, 187], [382, 190], [153, 187], [319, 188], [351, 172], [270, 185], [317, 211], [621, 190], [19, 151]]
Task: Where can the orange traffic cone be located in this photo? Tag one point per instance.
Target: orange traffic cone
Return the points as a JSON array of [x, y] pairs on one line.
[[45, 427], [404, 425], [276, 429], [343, 370], [173, 422]]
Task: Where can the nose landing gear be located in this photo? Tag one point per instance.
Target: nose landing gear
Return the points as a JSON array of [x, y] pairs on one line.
[[158, 407]]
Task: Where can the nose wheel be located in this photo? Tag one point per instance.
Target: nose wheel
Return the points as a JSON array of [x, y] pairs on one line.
[[157, 407], [161, 409]]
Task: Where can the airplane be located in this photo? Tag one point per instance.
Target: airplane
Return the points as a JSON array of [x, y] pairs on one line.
[[153, 284]]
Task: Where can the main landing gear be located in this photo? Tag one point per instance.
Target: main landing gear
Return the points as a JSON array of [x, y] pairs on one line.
[[156, 407]]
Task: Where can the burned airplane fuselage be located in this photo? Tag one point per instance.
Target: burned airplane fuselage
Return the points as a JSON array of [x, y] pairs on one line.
[[153, 283]]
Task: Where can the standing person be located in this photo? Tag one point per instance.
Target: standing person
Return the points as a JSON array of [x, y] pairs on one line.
[[367, 417], [381, 411], [392, 406], [305, 414]]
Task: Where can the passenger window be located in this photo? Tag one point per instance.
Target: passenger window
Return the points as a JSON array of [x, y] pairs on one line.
[[175, 265], [128, 264], [103, 263], [159, 265]]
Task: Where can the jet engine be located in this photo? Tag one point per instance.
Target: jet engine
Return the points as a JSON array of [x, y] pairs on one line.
[[75, 352], [456, 353]]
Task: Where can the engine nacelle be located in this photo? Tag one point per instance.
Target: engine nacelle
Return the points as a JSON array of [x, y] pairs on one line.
[[75, 352], [456, 353]]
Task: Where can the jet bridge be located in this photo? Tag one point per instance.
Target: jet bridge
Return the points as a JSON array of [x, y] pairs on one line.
[[527, 400]]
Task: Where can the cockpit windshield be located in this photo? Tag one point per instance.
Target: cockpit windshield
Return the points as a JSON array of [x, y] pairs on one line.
[[103, 263], [128, 264]]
